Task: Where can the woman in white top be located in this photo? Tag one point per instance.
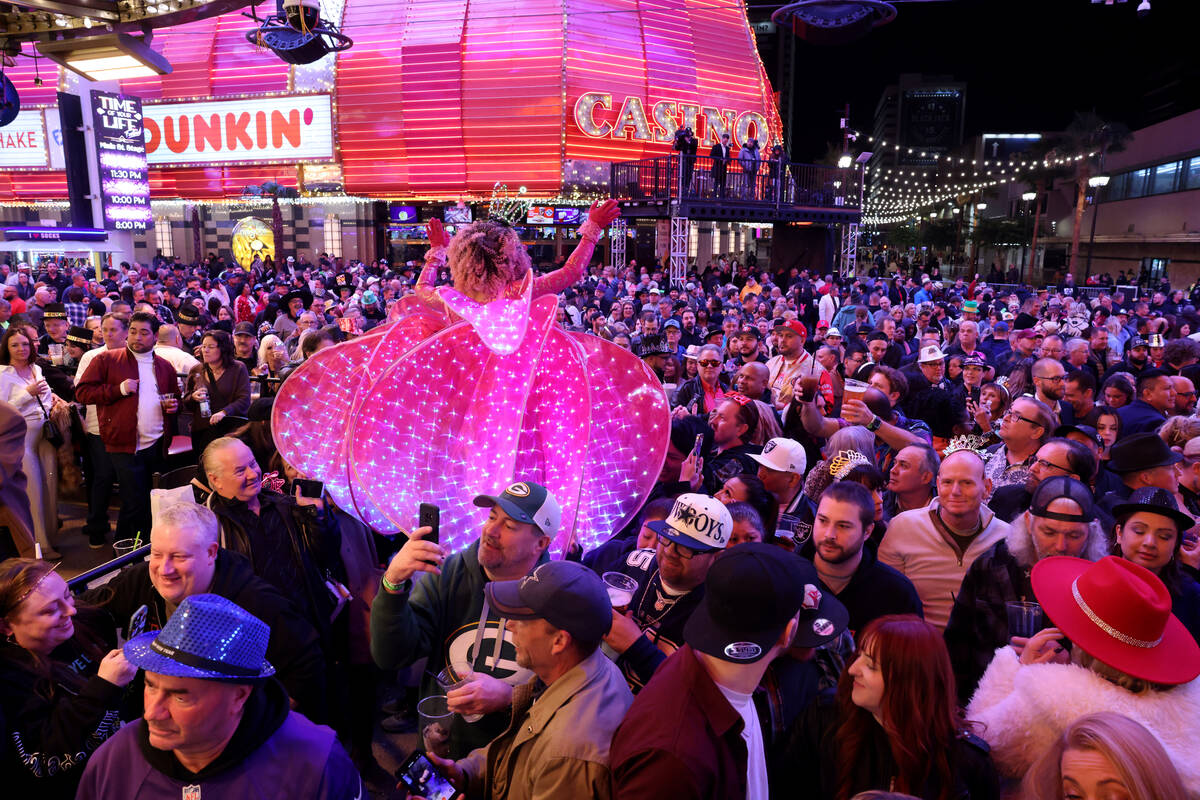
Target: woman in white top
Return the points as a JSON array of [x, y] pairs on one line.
[[22, 384]]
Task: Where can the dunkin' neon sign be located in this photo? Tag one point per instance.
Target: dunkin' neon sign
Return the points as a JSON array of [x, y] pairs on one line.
[[598, 116], [287, 128]]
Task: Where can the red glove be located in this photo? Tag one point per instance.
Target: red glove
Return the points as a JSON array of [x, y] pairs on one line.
[[437, 234], [604, 213]]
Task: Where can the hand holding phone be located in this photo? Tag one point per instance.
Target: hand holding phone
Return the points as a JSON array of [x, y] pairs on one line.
[[429, 516], [425, 775]]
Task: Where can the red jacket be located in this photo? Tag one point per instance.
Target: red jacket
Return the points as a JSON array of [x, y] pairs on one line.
[[680, 739], [100, 386]]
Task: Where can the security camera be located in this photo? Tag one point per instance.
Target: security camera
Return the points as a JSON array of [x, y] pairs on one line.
[[1143, 9]]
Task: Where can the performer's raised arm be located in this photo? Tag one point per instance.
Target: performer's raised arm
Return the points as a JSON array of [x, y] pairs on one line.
[[600, 216], [435, 259]]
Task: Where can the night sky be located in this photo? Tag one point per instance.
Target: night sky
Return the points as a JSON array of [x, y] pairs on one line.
[[1028, 64]]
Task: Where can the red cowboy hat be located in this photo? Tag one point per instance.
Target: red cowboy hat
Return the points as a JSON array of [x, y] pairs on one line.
[[1120, 613]]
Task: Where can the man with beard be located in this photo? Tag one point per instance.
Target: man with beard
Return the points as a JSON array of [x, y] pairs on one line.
[[442, 614], [1061, 521], [1185, 396], [563, 717], [1049, 379], [135, 425], [867, 588], [670, 584], [748, 349], [1137, 360], [793, 361], [689, 335]]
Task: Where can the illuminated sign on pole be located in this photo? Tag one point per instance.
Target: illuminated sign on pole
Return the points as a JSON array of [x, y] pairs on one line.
[[286, 128], [121, 158]]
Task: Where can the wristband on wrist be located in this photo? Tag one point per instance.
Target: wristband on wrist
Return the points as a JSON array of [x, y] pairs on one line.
[[395, 588]]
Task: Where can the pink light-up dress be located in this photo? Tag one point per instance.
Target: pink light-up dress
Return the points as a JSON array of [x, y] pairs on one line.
[[457, 398]]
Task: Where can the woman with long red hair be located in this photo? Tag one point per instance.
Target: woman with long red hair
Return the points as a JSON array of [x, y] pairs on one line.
[[894, 724]]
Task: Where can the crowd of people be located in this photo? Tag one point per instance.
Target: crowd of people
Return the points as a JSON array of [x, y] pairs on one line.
[[912, 535]]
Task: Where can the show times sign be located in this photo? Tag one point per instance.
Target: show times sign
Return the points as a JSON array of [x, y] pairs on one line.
[[121, 158], [282, 129]]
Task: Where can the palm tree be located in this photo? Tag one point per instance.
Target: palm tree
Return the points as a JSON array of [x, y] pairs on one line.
[[1088, 133], [1041, 175]]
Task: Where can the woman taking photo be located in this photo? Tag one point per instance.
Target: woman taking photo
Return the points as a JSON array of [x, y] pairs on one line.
[[1104, 755], [894, 725], [218, 385], [61, 683], [23, 385]]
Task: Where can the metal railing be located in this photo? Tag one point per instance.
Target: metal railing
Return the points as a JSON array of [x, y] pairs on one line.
[[678, 177], [102, 574]]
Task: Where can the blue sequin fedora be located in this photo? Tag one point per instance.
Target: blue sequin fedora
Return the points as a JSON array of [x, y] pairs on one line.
[[208, 637]]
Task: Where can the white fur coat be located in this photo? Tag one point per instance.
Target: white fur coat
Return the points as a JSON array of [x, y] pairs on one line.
[[1022, 709]]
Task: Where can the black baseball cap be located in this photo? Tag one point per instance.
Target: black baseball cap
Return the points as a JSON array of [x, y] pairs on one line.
[[748, 330], [1063, 486], [526, 501], [566, 594], [1087, 430], [244, 329], [751, 593]]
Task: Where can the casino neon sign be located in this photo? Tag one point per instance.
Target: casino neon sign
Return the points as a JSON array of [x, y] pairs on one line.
[[597, 116]]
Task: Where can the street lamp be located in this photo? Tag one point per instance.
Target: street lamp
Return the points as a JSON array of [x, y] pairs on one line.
[[1097, 182], [845, 161]]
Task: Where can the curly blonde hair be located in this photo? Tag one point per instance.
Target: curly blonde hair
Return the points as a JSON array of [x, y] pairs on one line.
[[486, 257]]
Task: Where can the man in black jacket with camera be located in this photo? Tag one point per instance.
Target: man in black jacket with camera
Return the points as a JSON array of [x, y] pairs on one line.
[[686, 145]]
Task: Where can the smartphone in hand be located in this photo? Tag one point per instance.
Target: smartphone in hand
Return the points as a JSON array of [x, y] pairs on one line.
[[429, 516], [423, 778], [314, 489]]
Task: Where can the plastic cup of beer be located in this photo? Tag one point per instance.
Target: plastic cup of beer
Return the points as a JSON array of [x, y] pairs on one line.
[[56, 354], [855, 390], [620, 588], [456, 675], [434, 719]]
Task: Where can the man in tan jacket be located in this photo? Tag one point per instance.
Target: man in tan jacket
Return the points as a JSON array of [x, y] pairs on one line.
[[557, 744]]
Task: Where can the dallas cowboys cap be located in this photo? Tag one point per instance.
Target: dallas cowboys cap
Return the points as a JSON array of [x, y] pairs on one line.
[[696, 521]]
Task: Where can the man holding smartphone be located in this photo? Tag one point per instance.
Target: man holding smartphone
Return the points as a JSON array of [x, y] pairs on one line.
[[433, 605]]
